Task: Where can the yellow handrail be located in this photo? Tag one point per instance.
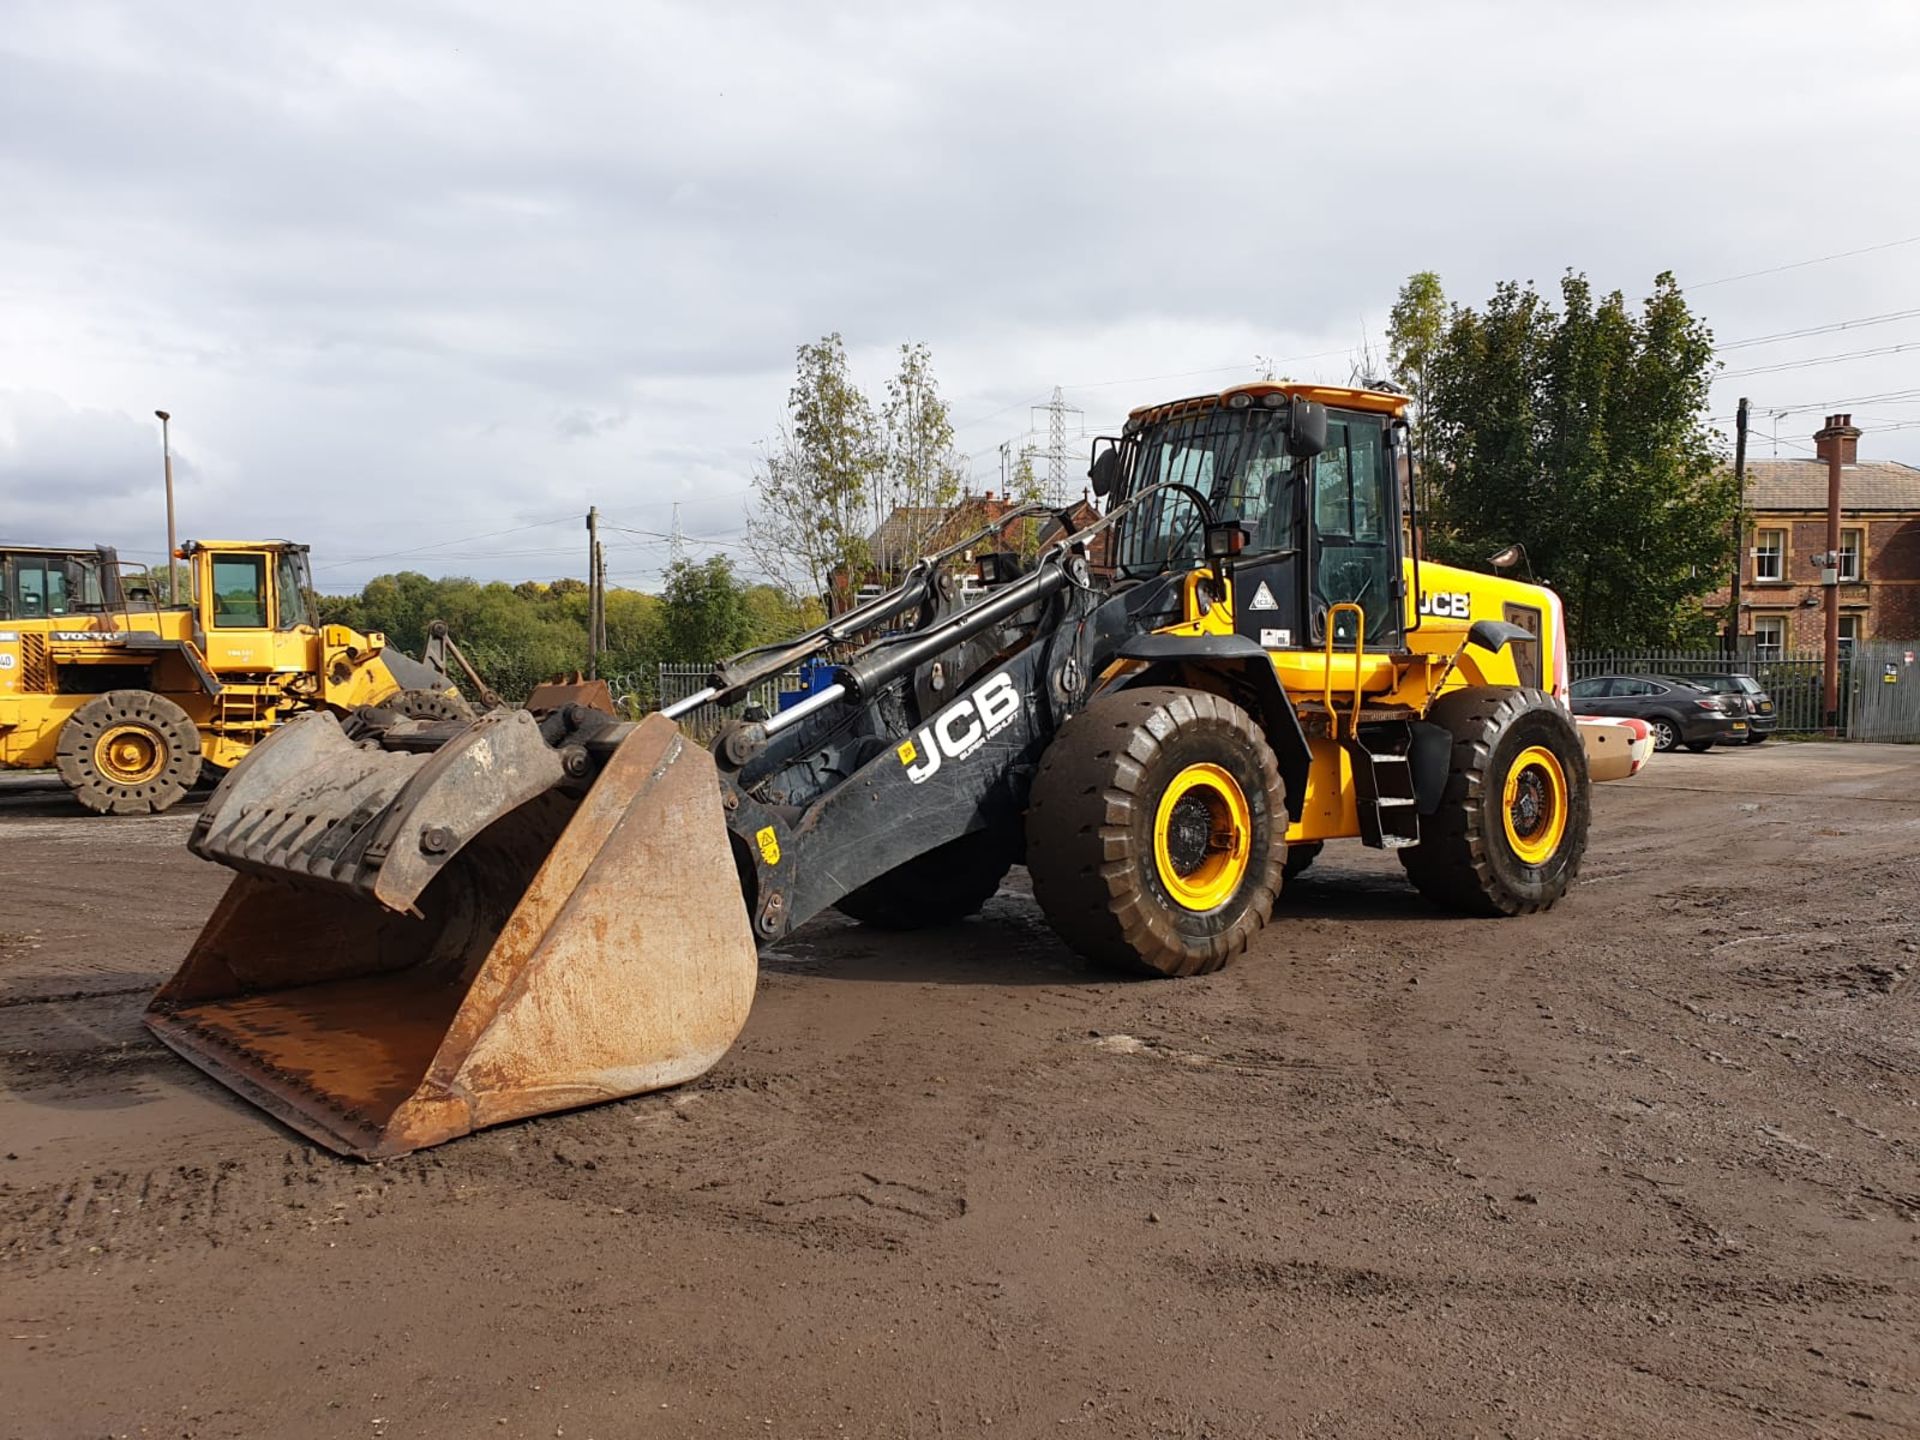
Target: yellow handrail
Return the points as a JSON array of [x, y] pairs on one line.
[[1359, 657]]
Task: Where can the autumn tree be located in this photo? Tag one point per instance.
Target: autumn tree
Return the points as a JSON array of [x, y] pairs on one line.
[[1580, 432], [815, 489], [922, 477]]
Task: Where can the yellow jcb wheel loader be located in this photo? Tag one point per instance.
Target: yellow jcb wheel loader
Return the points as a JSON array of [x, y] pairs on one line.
[[441, 926], [130, 702]]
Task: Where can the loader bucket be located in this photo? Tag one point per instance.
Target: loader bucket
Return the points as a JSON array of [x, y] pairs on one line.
[[418, 946]]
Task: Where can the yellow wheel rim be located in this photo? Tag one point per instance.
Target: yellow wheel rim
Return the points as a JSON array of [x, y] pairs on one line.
[[1202, 837], [1535, 804], [129, 754]]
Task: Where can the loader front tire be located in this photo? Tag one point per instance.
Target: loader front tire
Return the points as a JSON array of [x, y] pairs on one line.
[[428, 705], [1511, 828], [129, 752], [946, 884], [1156, 831]]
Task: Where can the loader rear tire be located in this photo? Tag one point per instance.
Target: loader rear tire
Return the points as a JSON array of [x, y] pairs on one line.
[[129, 752], [1511, 828], [945, 885], [1156, 831]]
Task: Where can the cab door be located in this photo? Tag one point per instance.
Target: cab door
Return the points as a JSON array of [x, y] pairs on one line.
[[1353, 533], [235, 606]]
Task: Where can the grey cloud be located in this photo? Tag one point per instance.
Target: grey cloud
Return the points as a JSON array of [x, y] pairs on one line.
[[414, 263]]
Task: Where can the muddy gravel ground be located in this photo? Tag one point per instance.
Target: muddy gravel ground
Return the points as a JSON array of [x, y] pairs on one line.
[[1646, 1165]]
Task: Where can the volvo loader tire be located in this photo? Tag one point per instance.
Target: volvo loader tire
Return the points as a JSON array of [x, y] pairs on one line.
[[129, 752]]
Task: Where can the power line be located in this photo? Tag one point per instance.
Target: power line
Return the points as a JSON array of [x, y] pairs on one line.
[[1801, 264], [441, 544], [1886, 319], [1885, 397], [1818, 360]]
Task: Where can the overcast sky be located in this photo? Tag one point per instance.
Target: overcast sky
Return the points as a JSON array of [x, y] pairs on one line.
[[409, 275]]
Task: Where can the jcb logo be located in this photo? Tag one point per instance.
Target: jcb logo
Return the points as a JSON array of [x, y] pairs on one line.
[[961, 728], [1447, 604]]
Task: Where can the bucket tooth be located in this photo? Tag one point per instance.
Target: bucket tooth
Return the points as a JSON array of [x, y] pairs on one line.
[[561, 950]]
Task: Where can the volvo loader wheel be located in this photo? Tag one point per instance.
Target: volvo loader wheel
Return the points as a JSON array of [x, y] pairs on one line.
[[428, 705], [1156, 831], [1511, 828], [944, 885], [129, 752]]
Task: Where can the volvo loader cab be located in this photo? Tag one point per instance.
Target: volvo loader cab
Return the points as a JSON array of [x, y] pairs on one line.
[[440, 926], [43, 582]]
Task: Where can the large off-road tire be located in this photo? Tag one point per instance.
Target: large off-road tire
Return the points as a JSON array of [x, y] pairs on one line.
[[1511, 829], [1156, 831], [428, 705], [129, 752], [946, 884]]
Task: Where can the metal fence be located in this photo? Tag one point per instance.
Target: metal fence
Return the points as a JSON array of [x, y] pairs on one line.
[[675, 680], [1879, 683]]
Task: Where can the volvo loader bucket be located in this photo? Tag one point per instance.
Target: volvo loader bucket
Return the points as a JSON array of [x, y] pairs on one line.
[[418, 945]]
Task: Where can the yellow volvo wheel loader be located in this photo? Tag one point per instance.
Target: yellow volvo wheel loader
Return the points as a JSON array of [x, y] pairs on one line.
[[441, 926], [129, 702]]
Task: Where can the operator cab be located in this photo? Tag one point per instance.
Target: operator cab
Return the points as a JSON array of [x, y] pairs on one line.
[[251, 586], [38, 583], [1310, 473]]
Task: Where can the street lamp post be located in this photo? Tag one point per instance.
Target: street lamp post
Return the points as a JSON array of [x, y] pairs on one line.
[[166, 451]]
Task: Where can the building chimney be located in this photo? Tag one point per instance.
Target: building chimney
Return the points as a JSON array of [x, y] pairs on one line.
[[1838, 436]]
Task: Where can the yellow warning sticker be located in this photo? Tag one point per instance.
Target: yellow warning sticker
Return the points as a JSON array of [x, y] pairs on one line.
[[769, 845], [907, 753]]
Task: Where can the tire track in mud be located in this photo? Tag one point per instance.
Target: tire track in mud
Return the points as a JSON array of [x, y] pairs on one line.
[[141, 1215]]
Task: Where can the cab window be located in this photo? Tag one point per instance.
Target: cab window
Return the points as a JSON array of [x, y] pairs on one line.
[[1354, 527], [290, 597], [240, 591]]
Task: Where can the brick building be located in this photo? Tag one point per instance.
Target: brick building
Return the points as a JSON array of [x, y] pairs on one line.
[[1786, 518]]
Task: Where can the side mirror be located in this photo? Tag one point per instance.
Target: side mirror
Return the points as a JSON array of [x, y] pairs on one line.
[[1104, 473], [1307, 430]]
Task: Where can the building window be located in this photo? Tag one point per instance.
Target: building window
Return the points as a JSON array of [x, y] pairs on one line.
[[1769, 636], [1770, 555], [1849, 632], [1853, 545]]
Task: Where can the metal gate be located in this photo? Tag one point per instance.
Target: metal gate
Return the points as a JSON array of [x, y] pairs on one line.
[[1886, 690]]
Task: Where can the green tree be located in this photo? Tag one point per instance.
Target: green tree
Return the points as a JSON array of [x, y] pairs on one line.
[[1580, 433], [1415, 328], [705, 614], [814, 491]]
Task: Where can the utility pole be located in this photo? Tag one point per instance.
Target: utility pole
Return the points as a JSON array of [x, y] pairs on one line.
[[594, 582], [166, 453], [1836, 443], [1739, 527]]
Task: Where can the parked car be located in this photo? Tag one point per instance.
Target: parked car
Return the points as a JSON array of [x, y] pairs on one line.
[[1746, 697], [1680, 712]]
